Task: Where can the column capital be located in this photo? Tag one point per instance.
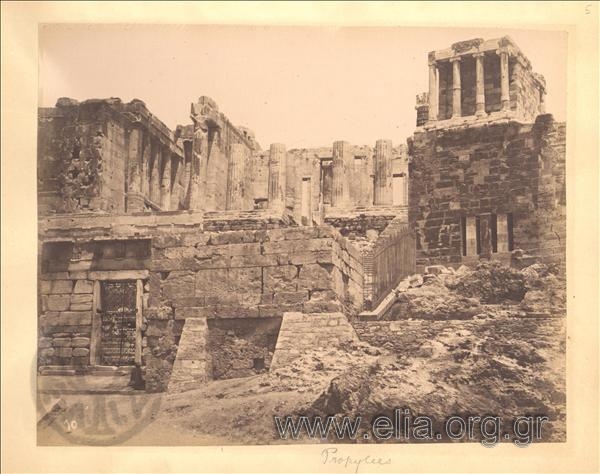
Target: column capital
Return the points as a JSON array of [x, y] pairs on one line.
[[432, 63], [454, 59], [501, 51], [479, 54]]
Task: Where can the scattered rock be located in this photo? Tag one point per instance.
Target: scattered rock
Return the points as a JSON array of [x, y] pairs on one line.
[[347, 391]]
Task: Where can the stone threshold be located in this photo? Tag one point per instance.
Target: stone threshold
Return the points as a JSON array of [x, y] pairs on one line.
[[98, 370]]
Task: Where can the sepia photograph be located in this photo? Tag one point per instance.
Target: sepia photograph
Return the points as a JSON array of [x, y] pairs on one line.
[[353, 237], [403, 281]]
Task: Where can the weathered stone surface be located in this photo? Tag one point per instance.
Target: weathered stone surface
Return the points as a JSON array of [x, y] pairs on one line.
[[80, 352], [67, 318], [83, 286], [61, 342], [62, 286], [282, 278], [314, 277], [178, 284], [45, 287], [347, 391], [63, 351], [58, 302], [81, 298], [491, 282], [80, 342]]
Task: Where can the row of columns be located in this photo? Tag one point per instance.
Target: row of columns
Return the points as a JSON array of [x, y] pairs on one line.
[[342, 166], [149, 172], [479, 85]]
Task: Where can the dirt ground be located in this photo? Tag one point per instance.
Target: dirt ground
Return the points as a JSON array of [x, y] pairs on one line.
[[502, 362]]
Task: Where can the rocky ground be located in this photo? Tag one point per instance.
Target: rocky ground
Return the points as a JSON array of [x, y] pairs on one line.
[[489, 341]]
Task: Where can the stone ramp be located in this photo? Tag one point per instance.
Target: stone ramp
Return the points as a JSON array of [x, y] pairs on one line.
[[300, 332], [191, 368]]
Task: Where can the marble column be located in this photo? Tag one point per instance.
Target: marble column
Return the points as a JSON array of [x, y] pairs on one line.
[[277, 176], [382, 192], [479, 85], [135, 201], [456, 95], [144, 170], [165, 182], [155, 176], [341, 164], [235, 177], [433, 91], [504, 80]]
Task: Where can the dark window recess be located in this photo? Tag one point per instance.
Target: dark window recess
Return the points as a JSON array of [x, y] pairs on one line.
[[259, 363], [56, 256], [478, 234], [509, 228], [494, 232], [463, 234], [121, 254]]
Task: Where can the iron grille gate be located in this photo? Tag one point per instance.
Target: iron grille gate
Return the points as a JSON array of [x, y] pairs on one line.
[[118, 303]]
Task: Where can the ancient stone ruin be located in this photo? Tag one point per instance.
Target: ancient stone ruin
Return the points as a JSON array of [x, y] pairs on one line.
[[197, 255]]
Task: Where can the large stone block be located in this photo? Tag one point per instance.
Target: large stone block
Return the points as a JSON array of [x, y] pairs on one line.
[[239, 281], [63, 351], [290, 297], [314, 277], [190, 312], [178, 284], [80, 342], [84, 286], [57, 302], [67, 318], [281, 278], [45, 287], [61, 342], [81, 298], [232, 237], [62, 286]]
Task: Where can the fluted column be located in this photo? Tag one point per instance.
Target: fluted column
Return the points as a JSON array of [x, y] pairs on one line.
[[235, 177], [382, 192], [433, 91], [144, 170], [340, 193], [277, 176], [155, 178], [504, 81], [165, 183], [456, 95], [479, 85]]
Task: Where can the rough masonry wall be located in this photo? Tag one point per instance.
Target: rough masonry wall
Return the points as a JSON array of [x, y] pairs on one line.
[[203, 266], [493, 169], [76, 145], [240, 348]]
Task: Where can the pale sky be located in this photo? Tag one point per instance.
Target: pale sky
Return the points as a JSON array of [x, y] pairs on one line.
[[302, 86]]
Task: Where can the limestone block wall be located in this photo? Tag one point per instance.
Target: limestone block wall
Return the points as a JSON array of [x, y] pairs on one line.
[[65, 323], [218, 266], [504, 168], [240, 348], [319, 330], [105, 155]]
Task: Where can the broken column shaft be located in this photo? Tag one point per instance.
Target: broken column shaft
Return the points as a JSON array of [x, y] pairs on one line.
[[342, 163], [235, 177], [382, 192], [277, 176]]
